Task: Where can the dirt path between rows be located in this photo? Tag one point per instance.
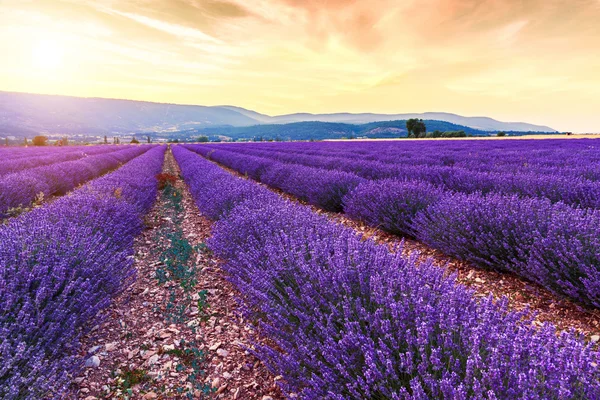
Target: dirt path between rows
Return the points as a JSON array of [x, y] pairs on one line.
[[521, 294], [159, 341]]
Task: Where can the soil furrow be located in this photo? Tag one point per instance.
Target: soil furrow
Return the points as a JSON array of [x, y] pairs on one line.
[[163, 340]]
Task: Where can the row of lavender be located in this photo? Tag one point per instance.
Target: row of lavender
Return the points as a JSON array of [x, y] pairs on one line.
[[56, 155], [346, 318], [13, 153], [572, 157], [22, 188], [549, 243], [565, 184], [61, 266]]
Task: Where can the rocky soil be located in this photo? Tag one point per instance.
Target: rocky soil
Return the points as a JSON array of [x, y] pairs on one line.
[[174, 338]]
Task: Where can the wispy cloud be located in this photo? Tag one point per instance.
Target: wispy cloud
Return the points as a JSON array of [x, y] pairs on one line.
[[180, 31]]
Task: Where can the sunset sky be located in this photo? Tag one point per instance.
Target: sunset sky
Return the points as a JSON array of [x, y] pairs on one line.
[[536, 61]]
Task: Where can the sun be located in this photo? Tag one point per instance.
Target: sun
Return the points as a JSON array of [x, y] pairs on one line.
[[47, 55]]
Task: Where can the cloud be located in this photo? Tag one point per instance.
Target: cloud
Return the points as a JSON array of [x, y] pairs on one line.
[[180, 31], [225, 9]]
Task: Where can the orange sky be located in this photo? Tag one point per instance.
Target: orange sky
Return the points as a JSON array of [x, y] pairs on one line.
[[523, 60]]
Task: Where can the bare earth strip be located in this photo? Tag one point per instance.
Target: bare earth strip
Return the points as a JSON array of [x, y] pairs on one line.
[[547, 307], [136, 338]]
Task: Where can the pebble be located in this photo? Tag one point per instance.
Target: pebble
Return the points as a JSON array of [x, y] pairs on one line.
[[215, 382], [164, 335], [149, 395], [94, 349], [215, 346], [153, 360], [222, 352], [222, 389], [132, 353], [595, 338], [92, 362], [110, 346], [147, 354]]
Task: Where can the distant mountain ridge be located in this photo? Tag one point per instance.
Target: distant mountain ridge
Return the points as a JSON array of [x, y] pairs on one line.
[[479, 123], [23, 114], [322, 130]]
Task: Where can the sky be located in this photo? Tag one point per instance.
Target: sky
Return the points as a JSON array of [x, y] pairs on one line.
[[535, 61]]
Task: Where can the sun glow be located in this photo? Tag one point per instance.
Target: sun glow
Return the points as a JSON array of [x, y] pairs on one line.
[[47, 55]]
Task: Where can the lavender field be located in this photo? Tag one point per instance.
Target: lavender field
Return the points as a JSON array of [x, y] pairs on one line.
[[106, 290], [530, 208], [62, 263]]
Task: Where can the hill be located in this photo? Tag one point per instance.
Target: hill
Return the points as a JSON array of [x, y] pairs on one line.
[[22, 114], [323, 130]]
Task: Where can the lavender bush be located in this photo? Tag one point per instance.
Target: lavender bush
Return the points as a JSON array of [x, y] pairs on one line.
[[21, 188], [231, 192], [476, 168], [325, 189], [346, 318], [492, 231], [61, 265], [566, 258], [493, 221], [391, 204], [52, 156], [551, 244]]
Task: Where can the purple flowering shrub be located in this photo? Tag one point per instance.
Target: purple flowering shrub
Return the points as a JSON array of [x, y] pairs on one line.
[[566, 259], [446, 169], [390, 204], [492, 231], [61, 266], [346, 318], [481, 223], [32, 158], [21, 188], [551, 244], [254, 169], [325, 189], [230, 192]]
